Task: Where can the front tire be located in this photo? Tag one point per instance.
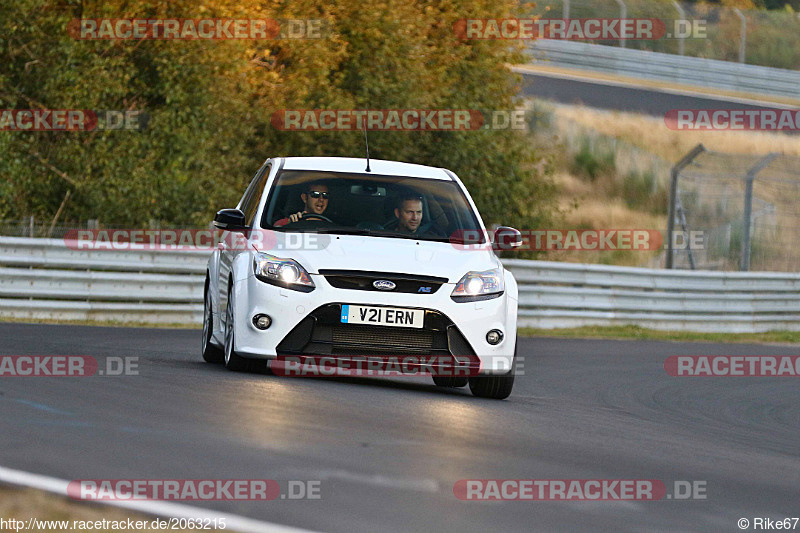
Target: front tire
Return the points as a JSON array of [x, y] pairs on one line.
[[233, 361], [494, 387], [211, 353]]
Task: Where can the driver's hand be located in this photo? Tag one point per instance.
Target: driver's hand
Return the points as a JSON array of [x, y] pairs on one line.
[[296, 216]]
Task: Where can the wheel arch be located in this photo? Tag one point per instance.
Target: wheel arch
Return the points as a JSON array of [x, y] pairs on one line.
[[211, 284]]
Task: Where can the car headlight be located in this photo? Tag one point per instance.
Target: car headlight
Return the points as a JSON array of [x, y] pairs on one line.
[[282, 272], [479, 286]]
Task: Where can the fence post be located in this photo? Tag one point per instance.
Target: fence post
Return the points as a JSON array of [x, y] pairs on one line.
[[682, 15], [623, 13], [566, 9], [673, 194], [744, 264], [685, 230], [742, 34]]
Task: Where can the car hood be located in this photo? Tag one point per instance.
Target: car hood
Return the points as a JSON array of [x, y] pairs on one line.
[[381, 254]]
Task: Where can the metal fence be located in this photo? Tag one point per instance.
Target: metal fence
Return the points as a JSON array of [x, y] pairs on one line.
[[45, 279], [33, 227], [559, 295], [757, 37], [747, 208]]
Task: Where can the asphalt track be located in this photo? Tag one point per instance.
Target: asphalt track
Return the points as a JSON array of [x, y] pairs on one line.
[[610, 96], [388, 451]]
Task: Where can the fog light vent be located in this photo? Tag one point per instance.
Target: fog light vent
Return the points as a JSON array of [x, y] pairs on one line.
[[262, 321], [494, 337]]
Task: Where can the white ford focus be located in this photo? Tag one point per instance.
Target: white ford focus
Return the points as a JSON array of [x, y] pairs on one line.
[[350, 260]]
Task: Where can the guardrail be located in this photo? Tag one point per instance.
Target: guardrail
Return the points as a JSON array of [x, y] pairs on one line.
[[684, 70], [54, 253], [558, 295], [45, 279]]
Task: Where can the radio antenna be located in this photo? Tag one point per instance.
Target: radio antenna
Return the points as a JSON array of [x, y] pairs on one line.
[[366, 141]]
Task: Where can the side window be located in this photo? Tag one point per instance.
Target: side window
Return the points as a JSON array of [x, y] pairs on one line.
[[253, 195]]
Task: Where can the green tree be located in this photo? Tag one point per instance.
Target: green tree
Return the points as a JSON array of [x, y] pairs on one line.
[[210, 105]]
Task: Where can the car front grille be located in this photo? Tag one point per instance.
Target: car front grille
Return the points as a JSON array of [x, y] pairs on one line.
[[383, 338], [322, 333], [358, 280]]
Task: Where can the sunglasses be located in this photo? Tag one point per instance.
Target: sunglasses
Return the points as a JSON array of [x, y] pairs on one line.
[[318, 194]]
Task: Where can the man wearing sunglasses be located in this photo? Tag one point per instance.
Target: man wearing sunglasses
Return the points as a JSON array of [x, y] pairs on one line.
[[315, 201]]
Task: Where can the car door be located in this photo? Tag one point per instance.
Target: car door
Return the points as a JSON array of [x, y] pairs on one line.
[[230, 246]]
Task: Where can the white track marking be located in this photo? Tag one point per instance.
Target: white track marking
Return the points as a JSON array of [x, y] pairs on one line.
[[157, 508]]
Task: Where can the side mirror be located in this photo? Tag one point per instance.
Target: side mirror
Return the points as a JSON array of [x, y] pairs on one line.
[[230, 220], [506, 238]]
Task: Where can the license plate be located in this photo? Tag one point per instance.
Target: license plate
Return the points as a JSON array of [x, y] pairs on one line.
[[382, 316]]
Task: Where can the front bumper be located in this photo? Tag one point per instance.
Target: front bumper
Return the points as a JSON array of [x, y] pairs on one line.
[[306, 323]]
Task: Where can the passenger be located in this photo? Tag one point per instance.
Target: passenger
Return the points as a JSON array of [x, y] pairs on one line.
[[409, 214]]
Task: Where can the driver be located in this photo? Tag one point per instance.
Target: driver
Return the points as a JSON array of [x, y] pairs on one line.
[[315, 200]]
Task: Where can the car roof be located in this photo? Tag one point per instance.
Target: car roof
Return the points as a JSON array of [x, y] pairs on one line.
[[355, 165]]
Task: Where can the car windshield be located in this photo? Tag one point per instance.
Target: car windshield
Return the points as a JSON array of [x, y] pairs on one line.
[[385, 206]]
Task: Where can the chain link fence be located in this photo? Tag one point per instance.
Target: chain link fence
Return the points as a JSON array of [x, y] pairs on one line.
[[743, 209], [757, 37]]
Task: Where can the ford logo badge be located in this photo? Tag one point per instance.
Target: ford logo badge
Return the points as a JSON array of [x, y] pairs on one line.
[[384, 285]]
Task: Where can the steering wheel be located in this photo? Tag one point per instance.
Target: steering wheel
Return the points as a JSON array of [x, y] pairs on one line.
[[312, 216]]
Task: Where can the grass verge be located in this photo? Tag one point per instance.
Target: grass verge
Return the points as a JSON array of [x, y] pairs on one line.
[[640, 333], [24, 504], [651, 135]]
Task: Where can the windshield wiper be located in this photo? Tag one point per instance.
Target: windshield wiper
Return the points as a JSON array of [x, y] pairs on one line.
[[465, 242], [344, 230], [327, 229]]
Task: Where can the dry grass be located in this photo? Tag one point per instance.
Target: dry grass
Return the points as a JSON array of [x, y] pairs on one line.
[[609, 213], [652, 134], [603, 188], [24, 504], [590, 205], [572, 186]]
